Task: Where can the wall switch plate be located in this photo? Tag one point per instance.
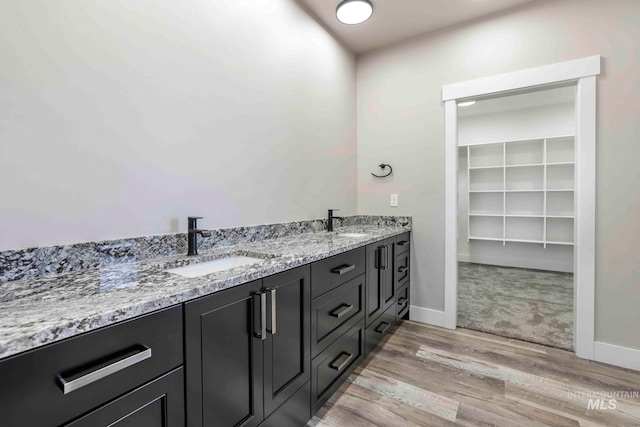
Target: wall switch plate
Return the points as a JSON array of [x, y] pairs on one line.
[[393, 201]]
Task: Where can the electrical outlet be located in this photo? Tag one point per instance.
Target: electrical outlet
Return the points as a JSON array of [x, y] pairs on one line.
[[394, 201]]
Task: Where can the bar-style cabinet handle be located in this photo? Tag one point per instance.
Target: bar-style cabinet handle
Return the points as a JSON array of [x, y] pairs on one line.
[[343, 269], [140, 353], [344, 363], [402, 242], [261, 316], [381, 331], [402, 269], [402, 301], [271, 327], [347, 308]]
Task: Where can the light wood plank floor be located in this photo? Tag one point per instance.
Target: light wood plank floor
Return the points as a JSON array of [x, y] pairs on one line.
[[427, 376]]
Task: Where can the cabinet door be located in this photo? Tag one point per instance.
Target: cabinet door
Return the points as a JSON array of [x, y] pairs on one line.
[[224, 358], [388, 273], [287, 358], [159, 403], [375, 282]]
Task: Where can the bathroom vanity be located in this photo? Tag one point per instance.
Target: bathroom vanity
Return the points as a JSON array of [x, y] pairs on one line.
[[260, 344]]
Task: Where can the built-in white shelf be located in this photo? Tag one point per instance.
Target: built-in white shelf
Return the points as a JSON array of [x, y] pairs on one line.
[[522, 191]]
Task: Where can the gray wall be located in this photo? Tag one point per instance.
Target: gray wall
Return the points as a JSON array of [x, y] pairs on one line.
[[120, 118], [401, 122]]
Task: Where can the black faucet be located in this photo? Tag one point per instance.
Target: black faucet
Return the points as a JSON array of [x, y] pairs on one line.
[[331, 218], [192, 236]]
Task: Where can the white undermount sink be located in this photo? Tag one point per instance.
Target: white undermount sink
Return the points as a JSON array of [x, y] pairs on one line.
[[204, 268], [355, 235]]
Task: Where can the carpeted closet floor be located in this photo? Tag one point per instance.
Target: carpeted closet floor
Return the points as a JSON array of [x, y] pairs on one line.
[[530, 305]]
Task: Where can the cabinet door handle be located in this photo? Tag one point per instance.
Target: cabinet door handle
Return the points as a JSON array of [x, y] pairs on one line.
[[386, 257], [402, 242], [261, 316], [129, 358], [378, 330], [402, 269], [402, 301], [347, 308], [343, 269], [344, 363], [271, 327], [381, 258]]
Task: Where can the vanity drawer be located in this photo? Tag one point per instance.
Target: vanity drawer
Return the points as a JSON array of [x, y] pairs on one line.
[[330, 273], [56, 383], [333, 366], [404, 301], [335, 312], [379, 328], [403, 243], [402, 269]]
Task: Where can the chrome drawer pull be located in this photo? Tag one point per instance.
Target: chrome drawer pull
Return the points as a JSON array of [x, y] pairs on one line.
[[347, 308], [67, 386], [402, 301], [402, 269], [343, 269], [344, 363], [261, 316], [383, 329], [271, 328], [402, 243]]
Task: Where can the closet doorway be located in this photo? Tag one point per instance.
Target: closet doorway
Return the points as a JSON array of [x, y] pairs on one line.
[[582, 74], [516, 190]]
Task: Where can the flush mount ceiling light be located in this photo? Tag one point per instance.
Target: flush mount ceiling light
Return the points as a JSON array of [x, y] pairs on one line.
[[466, 103], [352, 12]]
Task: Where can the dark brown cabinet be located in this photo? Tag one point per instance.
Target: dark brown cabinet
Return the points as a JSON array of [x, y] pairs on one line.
[[381, 293], [248, 350]]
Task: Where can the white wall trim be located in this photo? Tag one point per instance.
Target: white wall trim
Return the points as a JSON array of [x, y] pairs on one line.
[[585, 218], [539, 76], [616, 355], [451, 215], [427, 315], [583, 72]]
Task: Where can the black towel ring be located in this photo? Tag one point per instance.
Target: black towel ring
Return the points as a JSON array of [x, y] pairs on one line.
[[383, 166]]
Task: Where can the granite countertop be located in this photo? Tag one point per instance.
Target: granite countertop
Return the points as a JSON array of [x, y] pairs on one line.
[[44, 310]]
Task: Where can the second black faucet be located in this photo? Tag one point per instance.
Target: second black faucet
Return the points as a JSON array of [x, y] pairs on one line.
[[331, 218], [192, 236]]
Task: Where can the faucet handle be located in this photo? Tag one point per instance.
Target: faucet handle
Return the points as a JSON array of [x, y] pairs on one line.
[[333, 210], [195, 217]]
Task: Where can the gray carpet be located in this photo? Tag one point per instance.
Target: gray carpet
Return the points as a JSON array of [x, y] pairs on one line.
[[530, 305]]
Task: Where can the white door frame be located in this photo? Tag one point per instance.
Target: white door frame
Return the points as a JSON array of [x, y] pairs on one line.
[[583, 72]]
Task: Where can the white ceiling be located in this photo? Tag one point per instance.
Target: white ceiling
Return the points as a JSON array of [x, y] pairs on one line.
[[396, 20]]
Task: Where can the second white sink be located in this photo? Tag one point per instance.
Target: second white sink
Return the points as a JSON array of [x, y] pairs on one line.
[[204, 268], [356, 235]]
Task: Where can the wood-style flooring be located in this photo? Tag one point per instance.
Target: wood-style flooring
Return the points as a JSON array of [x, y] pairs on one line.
[[427, 376]]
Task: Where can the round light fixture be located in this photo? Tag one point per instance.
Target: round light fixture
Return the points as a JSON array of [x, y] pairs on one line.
[[352, 12], [466, 103]]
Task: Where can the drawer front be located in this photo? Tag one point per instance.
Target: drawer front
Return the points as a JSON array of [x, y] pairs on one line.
[[335, 312], [378, 329], [93, 368], [333, 366], [330, 273], [158, 403], [402, 269], [404, 300], [403, 243]]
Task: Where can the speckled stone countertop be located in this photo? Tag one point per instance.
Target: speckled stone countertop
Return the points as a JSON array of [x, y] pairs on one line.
[[35, 312]]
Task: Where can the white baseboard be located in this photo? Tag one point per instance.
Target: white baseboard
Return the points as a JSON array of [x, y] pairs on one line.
[[426, 315], [616, 355], [521, 262]]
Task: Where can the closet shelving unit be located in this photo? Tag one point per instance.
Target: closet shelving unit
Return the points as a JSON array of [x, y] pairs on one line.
[[522, 191]]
